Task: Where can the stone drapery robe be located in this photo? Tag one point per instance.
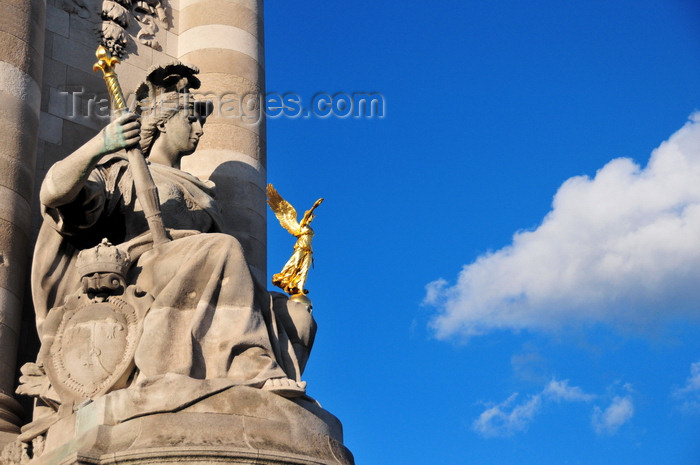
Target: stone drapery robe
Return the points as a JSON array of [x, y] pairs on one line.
[[206, 321]]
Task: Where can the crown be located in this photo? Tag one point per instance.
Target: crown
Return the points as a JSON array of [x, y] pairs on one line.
[[103, 258]]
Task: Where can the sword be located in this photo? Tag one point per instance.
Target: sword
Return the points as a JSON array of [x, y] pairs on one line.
[[144, 186]]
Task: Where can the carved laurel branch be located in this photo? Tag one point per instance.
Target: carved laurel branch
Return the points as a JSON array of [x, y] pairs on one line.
[[116, 16]]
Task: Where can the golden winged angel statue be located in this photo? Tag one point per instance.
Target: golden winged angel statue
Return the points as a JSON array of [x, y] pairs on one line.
[[293, 275]]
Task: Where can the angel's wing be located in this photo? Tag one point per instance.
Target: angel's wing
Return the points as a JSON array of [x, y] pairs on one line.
[[285, 213]]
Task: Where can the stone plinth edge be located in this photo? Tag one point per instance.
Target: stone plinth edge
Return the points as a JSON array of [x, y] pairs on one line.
[[239, 425], [202, 456]]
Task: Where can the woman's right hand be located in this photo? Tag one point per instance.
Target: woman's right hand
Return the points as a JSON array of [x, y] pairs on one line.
[[122, 133], [67, 177]]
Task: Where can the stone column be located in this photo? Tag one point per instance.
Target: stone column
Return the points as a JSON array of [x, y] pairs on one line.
[[224, 38], [21, 58]]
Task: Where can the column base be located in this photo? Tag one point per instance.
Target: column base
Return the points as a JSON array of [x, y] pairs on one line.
[[10, 419]]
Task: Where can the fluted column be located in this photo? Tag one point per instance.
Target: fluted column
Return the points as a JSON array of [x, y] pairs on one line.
[[21, 57], [224, 38]]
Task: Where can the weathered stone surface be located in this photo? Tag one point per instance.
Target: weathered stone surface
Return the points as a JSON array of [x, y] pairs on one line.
[[238, 425], [57, 21], [21, 120], [232, 62], [50, 128], [231, 14], [10, 418], [21, 63], [73, 54], [227, 47]]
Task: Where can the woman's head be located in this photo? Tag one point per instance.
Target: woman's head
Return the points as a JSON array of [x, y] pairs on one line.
[[169, 112], [180, 132], [169, 135]]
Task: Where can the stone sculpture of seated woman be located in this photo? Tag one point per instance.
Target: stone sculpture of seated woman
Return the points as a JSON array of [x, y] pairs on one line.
[[124, 314]]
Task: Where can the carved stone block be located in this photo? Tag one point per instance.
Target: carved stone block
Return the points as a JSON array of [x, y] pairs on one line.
[[238, 425]]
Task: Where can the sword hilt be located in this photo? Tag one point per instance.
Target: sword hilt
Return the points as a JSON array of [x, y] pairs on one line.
[[106, 63], [146, 190]]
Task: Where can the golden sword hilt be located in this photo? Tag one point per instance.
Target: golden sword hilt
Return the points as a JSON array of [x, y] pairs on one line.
[[106, 63]]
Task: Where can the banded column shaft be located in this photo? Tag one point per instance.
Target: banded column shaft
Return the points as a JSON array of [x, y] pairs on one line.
[[224, 38], [22, 25]]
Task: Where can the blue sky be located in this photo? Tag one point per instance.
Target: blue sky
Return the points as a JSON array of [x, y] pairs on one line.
[[504, 271]]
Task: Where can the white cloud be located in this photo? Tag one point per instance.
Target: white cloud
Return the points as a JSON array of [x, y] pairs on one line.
[[689, 394], [621, 248], [503, 419], [619, 412], [507, 418], [560, 390]]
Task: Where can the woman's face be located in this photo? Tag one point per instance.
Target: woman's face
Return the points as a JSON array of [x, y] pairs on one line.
[[182, 132]]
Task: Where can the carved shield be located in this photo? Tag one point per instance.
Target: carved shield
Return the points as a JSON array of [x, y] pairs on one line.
[[93, 349]]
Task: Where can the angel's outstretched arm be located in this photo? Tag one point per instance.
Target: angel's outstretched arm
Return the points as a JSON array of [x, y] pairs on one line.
[[309, 214]]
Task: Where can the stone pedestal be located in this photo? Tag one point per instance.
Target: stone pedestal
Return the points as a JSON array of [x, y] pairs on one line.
[[238, 425]]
